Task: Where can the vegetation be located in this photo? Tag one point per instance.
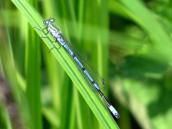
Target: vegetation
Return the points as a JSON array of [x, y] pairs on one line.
[[127, 42]]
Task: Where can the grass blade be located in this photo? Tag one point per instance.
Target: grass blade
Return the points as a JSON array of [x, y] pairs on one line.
[[4, 117]]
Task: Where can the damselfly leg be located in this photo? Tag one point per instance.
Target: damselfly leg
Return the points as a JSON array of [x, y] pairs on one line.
[[45, 32]]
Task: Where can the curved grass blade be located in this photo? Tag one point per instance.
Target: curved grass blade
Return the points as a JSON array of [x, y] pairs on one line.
[[70, 67]]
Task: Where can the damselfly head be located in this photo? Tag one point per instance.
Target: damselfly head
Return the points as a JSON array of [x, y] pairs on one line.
[[48, 21]]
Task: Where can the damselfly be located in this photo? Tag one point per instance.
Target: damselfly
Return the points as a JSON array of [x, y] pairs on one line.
[[57, 35]]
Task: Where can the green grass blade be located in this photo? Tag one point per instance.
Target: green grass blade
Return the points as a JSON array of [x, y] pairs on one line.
[[55, 73], [51, 117], [5, 121], [70, 67], [33, 72]]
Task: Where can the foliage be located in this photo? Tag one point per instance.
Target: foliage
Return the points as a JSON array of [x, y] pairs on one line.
[[128, 42]]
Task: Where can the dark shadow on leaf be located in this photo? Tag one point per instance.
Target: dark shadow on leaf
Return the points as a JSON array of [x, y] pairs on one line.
[[163, 103], [138, 67]]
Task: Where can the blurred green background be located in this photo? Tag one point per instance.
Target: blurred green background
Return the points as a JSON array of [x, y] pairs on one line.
[[126, 42]]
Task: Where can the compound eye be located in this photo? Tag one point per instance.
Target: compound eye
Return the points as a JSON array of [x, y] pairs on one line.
[[52, 20]]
